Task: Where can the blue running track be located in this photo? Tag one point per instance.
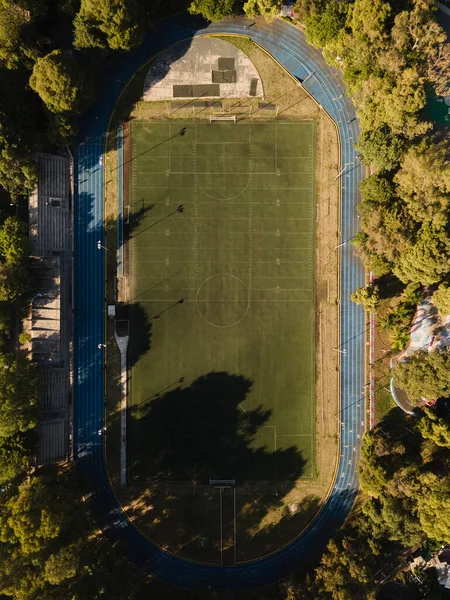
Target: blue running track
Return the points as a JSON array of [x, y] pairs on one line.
[[288, 45]]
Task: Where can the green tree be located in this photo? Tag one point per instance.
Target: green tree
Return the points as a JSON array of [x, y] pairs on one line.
[[50, 548], [18, 172], [14, 244], [269, 9], [369, 22], [19, 392], [377, 189], [31, 518], [400, 339], [389, 231], [381, 148], [16, 49], [368, 297], [62, 565], [214, 10], [346, 569], [395, 105], [423, 182], [14, 453], [424, 375], [438, 67], [115, 24], [441, 298], [61, 83], [416, 29], [303, 9], [432, 427], [324, 26], [63, 129], [427, 260], [14, 283], [35, 8], [433, 506], [419, 38]]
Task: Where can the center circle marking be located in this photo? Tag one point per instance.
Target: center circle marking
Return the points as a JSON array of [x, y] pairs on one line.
[[222, 300]]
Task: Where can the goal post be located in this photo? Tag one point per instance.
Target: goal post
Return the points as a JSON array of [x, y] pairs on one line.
[[220, 482], [213, 118]]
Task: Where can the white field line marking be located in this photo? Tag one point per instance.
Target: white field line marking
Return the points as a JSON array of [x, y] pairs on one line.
[[196, 185], [187, 187], [190, 232], [250, 216], [186, 248], [193, 300], [232, 173], [227, 219], [221, 528], [235, 262], [235, 522]]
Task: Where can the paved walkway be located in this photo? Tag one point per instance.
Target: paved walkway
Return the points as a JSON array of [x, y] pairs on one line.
[[122, 343], [287, 44]]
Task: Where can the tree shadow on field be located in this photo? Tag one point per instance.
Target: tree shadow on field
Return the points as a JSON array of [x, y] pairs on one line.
[[266, 521], [180, 440], [203, 431]]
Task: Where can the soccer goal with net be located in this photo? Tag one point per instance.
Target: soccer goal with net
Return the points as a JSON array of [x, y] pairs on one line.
[[222, 118]]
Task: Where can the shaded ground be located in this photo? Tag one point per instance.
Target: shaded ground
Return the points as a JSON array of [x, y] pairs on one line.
[[194, 434]]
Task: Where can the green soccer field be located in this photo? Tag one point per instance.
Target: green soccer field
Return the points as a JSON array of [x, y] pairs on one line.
[[222, 272]]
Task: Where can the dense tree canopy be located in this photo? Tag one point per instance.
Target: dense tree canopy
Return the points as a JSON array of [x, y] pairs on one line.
[[441, 298], [14, 282], [114, 24], [49, 549], [14, 453], [427, 260], [214, 10], [405, 504], [14, 244], [435, 428], [325, 22], [32, 518], [391, 56], [61, 83], [423, 182], [267, 8], [424, 375], [18, 172], [18, 395], [368, 296], [381, 148], [16, 48]]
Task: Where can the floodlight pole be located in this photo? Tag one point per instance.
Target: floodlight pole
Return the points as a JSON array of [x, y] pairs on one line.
[[308, 76], [345, 242], [342, 171], [100, 246], [340, 351]]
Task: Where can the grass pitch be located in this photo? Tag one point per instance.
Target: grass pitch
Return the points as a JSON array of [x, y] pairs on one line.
[[222, 271]]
